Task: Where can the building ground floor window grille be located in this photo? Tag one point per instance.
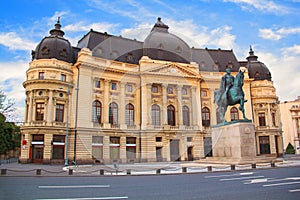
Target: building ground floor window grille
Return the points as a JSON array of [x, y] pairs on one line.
[[114, 148], [131, 148]]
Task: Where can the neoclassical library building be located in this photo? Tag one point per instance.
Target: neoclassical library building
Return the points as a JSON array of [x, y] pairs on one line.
[[113, 99]]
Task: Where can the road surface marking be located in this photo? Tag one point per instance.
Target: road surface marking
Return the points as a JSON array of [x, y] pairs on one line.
[[93, 198], [296, 190], [71, 186], [278, 184], [228, 175], [240, 178], [261, 180]]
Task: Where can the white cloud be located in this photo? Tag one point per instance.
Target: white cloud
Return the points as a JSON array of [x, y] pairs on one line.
[[14, 42], [277, 34], [12, 76], [82, 26], [261, 5], [195, 35], [285, 71]]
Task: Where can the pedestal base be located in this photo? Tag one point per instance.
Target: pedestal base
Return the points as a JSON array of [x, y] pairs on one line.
[[234, 142]]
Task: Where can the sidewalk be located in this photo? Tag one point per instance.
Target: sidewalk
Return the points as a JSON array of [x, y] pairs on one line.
[[16, 169]]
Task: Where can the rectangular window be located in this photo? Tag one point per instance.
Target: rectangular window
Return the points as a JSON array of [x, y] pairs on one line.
[[170, 90], [158, 139], [261, 119], [273, 119], [59, 115], [155, 89], [39, 115], [129, 88], [58, 143], [63, 77], [41, 75], [113, 86], [114, 148], [130, 148], [189, 139], [204, 93], [97, 147], [184, 91], [97, 83]]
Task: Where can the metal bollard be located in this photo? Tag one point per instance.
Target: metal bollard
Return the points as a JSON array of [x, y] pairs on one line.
[[157, 171], [253, 165], [70, 171], [128, 171], [273, 164], [209, 168], [184, 169], [3, 171], [232, 167], [38, 172], [101, 171]]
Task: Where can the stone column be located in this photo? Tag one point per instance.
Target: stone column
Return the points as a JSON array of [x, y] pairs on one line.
[[164, 106], [213, 109], [50, 108], [179, 108], [123, 149], [106, 104], [269, 117], [146, 105], [47, 148], [194, 106], [122, 106], [106, 154], [30, 107]]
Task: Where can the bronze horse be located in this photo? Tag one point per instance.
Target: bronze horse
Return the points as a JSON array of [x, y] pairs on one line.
[[235, 95]]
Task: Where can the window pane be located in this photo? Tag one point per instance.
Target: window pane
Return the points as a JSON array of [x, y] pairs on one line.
[[113, 113], [129, 114], [171, 115], [96, 115], [186, 115], [59, 116], [39, 112], [155, 114]]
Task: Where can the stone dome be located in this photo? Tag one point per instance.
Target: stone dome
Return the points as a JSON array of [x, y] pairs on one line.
[[256, 69], [54, 46], [162, 45]]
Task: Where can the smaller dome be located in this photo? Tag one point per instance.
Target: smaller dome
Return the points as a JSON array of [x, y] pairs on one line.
[[256, 69], [162, 45], [54, 46]]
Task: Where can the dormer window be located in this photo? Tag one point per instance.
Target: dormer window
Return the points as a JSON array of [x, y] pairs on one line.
[[45, 51]]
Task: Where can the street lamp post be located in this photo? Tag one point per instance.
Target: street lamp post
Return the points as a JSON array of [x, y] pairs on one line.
[[67, 127]]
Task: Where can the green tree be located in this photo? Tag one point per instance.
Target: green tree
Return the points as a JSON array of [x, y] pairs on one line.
[[9, 136], [290, 149]]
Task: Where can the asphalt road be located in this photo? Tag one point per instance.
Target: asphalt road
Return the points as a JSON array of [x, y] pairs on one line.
[[275, 183]]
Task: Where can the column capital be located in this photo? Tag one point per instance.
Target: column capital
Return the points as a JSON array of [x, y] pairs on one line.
[[164, 85]]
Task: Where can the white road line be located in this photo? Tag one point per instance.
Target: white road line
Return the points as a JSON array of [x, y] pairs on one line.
[[296, 190], [93, 198], [278, 184], [71, 186], [261, 180], [240, 178], [228, 175]]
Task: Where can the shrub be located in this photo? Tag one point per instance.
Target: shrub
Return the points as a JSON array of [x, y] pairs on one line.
[[290, 149]]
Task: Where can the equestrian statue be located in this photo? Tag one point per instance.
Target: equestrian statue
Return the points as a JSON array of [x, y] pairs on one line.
[[230, 93]]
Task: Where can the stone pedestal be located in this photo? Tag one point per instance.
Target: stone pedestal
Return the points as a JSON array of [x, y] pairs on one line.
[[234, 143]]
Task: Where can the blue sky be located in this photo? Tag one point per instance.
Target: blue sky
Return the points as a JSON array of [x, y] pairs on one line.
[[271, 27]]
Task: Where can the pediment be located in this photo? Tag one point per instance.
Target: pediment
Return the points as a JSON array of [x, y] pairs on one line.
[[173, 70]]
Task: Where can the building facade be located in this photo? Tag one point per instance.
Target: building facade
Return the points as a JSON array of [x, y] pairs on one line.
[[290, 116], [113, 99]]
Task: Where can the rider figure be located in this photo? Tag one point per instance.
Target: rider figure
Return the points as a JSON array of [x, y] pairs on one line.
[[226, 83]]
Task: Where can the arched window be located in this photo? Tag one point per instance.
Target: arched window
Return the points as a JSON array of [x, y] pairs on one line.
[[205, 117], [97, 112], [113, 113], [234, 114], [186, 115], [155, 114], [171, 115], [129, 114]]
